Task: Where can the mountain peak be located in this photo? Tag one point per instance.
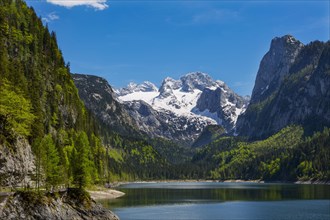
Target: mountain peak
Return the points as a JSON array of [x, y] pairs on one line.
[[286, 42], [194, 95], [196, 80], [197, 74], [287, 39], [147, 86], [275, 65], [132, 87]]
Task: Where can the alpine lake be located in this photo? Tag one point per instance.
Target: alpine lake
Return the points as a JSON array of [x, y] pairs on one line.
[[218, 200]]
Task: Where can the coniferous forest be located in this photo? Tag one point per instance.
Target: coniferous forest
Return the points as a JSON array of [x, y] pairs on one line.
[[39, 103]]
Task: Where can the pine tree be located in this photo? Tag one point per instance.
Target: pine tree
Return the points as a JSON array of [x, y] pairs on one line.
[[47, 162], [51, 162], [80, 162]]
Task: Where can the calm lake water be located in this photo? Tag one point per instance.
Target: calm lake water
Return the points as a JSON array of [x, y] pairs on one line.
[[210, 200]]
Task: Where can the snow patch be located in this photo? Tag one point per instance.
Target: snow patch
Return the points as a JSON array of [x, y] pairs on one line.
[[212, 115], [144, 96], [212, 88]]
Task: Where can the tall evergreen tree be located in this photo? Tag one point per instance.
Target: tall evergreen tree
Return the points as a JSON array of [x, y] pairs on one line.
[[51, 161], [80, 162]]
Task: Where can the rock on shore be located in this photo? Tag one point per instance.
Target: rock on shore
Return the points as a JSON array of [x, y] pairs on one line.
[[106, 194], [67, 205]]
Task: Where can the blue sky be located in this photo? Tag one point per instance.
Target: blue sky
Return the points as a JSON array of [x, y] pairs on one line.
[[125, 41]]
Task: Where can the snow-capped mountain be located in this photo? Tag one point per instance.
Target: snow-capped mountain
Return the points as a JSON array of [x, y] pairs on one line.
[[133, 87], [196, 97]]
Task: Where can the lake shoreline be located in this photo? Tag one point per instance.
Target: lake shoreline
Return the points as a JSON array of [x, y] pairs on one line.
[[307, 182], [313, 182], [105, 194]]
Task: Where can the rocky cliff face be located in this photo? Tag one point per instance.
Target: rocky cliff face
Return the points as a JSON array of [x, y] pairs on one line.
[[222, 102], [275, 66], [301, 94], [28, 205], [16, 164]]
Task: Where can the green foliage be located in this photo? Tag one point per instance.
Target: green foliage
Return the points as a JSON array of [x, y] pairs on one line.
[[287, 155], [47, 162], [270, 170], [39, 101], [32, 198], [305, 169], [15, 112], [257, 160], [81, 165], [116, 155], [172, 152], [50, 161], [313, 156], [209, 134], [79, 197]]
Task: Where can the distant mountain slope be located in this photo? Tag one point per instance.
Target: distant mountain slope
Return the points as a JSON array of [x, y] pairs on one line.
[[100, 99], [209, 134], [297, 90], [181, 109]]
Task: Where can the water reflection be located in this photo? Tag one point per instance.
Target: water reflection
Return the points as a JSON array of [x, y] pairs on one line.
[[192, 193]]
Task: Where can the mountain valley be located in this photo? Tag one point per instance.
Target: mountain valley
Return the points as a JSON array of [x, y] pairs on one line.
[[76, 131], [289, 99]]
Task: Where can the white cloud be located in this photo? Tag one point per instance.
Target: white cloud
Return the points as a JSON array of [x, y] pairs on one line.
[[97, 4], [51, 17]]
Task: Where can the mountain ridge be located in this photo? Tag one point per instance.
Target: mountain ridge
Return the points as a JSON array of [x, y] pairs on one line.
[[189, 96], [274, 66], [179, 110], [299, 95]]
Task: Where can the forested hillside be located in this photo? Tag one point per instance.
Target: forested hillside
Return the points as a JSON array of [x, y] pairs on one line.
[[287, 155], [39, 102], [40, 108]]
